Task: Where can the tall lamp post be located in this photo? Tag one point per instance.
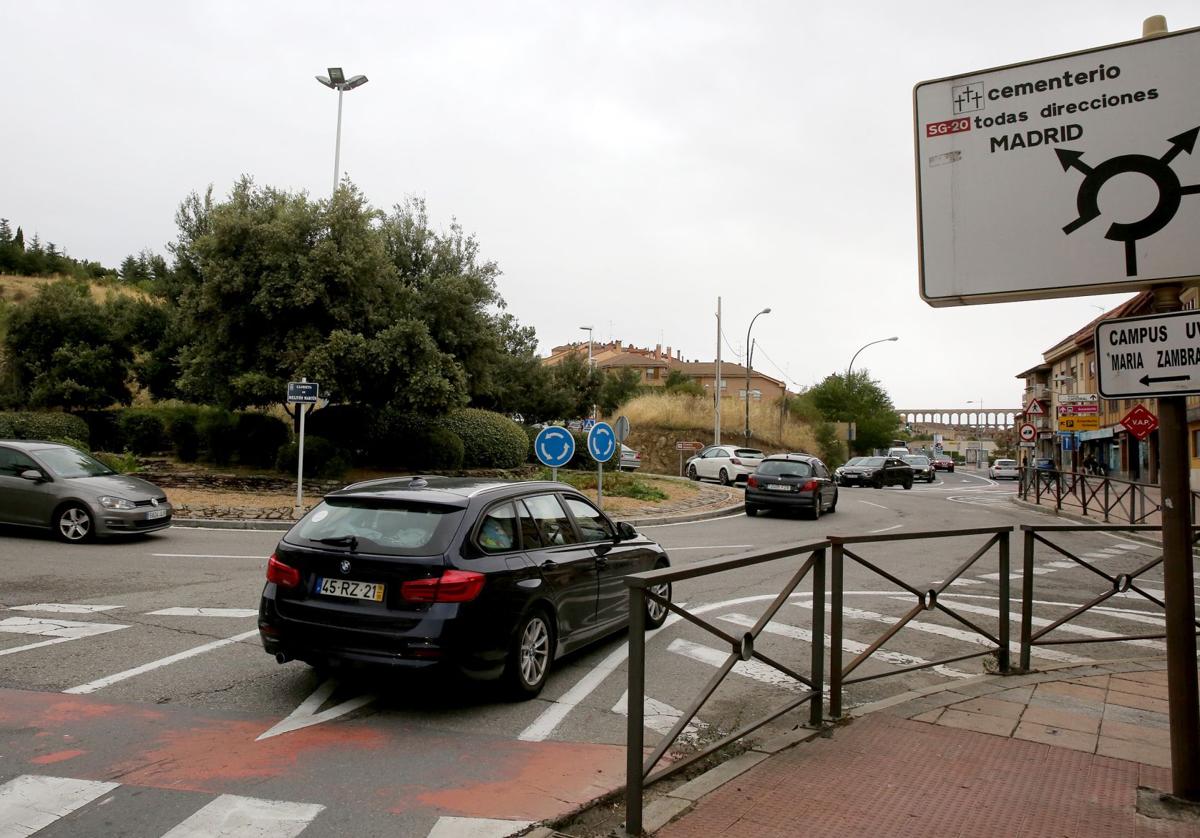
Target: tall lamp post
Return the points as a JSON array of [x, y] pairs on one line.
[[591, 364], [748, 359], [336, 80], [850, 369], [979, 427]]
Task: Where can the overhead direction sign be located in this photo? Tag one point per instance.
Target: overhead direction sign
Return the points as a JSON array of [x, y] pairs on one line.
[[1011, 163], [1078, 398], [1155, 355], [602, 442], [554, 446]]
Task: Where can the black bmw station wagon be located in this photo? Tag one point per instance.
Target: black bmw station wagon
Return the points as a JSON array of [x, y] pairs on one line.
[[494, 578]]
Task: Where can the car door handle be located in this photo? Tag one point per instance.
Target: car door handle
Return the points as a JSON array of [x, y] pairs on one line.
[[548, 565], [601, 562]]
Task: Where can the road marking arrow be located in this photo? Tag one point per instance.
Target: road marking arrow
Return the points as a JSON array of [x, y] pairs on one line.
[[306, 714]]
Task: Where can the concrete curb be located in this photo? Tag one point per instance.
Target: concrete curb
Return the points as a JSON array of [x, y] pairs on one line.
[[232, 524]]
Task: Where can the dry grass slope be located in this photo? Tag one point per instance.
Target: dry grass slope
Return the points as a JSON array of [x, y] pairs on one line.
[[695, 415], [17, 289]]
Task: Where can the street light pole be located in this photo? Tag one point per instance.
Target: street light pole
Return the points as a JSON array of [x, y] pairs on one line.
[[336, 80], [748, 355], [591, 364], [978, 427], [850, 369]]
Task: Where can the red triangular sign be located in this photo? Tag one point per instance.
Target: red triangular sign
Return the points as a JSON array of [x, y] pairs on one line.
[[1035, 408]]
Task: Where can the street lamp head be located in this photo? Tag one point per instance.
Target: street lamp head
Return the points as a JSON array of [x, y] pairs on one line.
[[894, 338], [355, 81], [586, 328], [336, 75], [325, 81]]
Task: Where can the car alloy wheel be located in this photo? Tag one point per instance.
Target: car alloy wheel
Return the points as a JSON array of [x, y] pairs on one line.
[[724, 477], [656, 613], [833, 506], [73, 524], [815, 512], [529, 660], [692, 474]]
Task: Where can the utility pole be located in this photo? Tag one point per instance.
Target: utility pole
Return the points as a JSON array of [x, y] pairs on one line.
[[717, 380]]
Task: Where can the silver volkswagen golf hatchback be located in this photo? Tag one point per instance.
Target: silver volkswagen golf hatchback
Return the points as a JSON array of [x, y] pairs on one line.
[[44, 484]]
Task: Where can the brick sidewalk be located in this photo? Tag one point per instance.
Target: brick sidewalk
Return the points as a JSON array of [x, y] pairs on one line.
[[1052, 754]]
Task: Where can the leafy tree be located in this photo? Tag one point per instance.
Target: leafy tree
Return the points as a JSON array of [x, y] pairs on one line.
[[679, 382], [858, 399], [617, 387], [65, 350], [579, 384]]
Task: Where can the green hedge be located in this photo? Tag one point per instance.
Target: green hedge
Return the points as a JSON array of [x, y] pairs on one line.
[[47, 426], [143, 432], [490, 440], [321, 458]]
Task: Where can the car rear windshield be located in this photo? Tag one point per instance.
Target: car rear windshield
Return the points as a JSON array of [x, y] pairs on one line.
[[67, 463], [785, 468], [1006, 462], [916, 460], [874, 462], [748, 452], [396, 529]]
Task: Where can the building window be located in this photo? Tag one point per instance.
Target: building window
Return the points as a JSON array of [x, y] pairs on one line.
[[1196, 443], [651, 373]]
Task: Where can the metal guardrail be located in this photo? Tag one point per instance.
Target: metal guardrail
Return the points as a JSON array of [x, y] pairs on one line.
[[1117, 584], [927, 600], [1093, 494], [638, 773]]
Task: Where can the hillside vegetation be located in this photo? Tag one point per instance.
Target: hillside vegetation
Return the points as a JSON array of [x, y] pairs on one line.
[[692, 417], [16, 289]]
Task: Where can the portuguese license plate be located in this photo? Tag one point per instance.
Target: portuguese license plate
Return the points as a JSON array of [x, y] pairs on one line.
[[779, 487], [156, 513], [350, 589]]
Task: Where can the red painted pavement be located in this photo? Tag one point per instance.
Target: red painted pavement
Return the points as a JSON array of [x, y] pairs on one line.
[[377, 760]]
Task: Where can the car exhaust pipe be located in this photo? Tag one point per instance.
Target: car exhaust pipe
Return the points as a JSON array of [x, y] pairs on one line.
[[282, 657]]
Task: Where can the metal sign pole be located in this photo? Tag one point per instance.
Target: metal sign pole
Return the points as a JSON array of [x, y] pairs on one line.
[[554, 474], [299, 510], [600, 486], [1183, 689]]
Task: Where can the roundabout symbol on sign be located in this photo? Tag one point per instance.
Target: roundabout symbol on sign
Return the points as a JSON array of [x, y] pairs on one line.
[[602, 442], [554, 446], [1158, 169]]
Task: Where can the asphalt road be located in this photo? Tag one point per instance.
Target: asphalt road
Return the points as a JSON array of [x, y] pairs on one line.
[[135, 698]]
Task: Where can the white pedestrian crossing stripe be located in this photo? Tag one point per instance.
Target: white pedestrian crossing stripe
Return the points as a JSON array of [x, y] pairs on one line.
[[748, 669], [58, 631], [660, 716], [31, 802], [204, 612], [64, 608]]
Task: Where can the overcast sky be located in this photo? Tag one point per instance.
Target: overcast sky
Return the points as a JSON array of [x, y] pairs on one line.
[[625, 163]]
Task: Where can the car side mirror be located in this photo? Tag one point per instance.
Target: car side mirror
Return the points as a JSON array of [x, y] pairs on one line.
[[33, 474], [625, 531]]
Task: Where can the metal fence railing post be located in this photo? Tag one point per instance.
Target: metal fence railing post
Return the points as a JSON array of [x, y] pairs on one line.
[[816, 706], [1005, 663], [1107, 486], [835, 632], [1027, 601], [1058, 487], [634, 732]]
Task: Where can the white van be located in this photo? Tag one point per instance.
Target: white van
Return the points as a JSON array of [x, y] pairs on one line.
[[898, 452]]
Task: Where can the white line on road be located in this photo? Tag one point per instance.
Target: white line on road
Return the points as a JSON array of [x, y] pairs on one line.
[[202, 556], [306, 714], [232, 816], [1069, 628], [716, 658], [712, 547], [101, 683], [448, 826], [887, 529], [660, 716], [30, 802], [552, 716], [1126, 544], [851, 646], [66, 629], [868, 503], [945, 631], [64, 608], [690, 523], [203, 612]]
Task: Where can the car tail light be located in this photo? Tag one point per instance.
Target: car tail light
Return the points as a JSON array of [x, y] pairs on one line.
[[736, 461], [752, 481], [451, 586], [810, 486], [281, 574]]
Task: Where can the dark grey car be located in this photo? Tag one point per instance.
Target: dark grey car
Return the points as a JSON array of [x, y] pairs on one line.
[[791, 481], [47, 485]]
